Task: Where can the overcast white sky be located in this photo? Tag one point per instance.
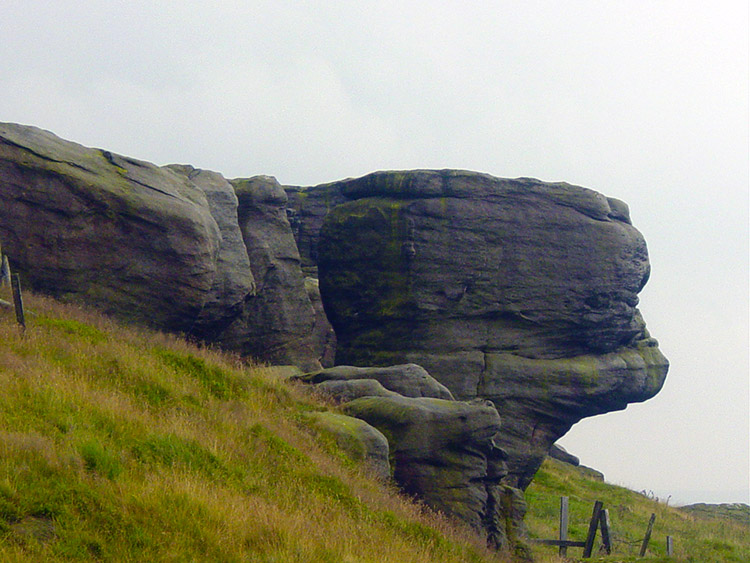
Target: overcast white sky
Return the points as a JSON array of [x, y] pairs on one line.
[[645, 101]]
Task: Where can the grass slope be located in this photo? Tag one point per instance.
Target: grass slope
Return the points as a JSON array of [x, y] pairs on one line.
[[697, 538], [119, 444], [125, 445]]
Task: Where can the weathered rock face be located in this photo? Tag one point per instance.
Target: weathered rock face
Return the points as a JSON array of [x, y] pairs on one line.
[[175, 248], [517, 291], [136, 240], [233, 282], [409, 380], [276, 324], [361, 441], [561, 454], [324, 337]]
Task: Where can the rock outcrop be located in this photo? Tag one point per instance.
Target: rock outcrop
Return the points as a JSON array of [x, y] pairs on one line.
[[441, 450], [518, 296], [174, 247], [517, 291]]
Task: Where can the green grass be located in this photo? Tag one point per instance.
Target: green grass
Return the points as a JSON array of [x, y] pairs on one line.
[[119, 444], [696, 539]]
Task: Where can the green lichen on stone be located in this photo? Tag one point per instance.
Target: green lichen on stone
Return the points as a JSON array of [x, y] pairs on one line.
[[341, 429]]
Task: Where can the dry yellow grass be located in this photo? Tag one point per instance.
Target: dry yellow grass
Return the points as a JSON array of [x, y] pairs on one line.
[[121, 444]]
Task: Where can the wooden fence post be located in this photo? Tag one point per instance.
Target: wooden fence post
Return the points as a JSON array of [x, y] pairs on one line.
[[593, 525], [670, 546], [563, 549], [646, 539], [604, 525], [18, 300]]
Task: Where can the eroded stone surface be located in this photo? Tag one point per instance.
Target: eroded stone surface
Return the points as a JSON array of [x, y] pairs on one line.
[[409, 380], [133, 239], [444, 452], [176, 248], [519, 291], [360, 440]]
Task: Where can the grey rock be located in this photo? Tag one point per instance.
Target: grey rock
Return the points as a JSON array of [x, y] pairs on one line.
[[519, 291], [126, 236], [560, 454], [324, 338], [358, 439], [591, 473], [443, 451], [233, 282], [344, 390], [276, 325], [307, 207], [175, 248], [409, 380]]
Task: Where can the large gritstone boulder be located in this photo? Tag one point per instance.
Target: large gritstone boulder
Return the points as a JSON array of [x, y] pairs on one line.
[[134, 239], [441, 450], [518, 291], [173, 247], [409, 380]]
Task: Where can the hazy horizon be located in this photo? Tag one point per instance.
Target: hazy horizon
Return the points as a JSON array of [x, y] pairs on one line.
[[644, 102]]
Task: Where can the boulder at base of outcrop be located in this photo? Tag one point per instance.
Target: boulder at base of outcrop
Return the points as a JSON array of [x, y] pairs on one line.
[[519, 291], [359, 440], [443, 452], [561, 454], [343, 390]]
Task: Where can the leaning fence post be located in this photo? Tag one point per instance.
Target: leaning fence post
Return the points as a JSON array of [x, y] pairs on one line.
[[18, 300], [563, 550], [604, 524], [646, 539], [593, 525]]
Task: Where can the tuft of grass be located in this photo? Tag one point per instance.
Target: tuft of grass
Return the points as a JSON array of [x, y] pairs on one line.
[[120, 444]]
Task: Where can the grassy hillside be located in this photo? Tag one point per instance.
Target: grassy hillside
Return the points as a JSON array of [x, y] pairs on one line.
[[697, 538], [124, 445]]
